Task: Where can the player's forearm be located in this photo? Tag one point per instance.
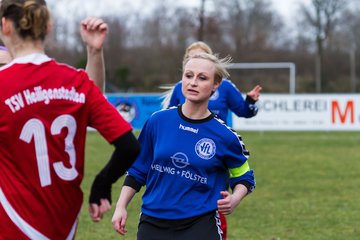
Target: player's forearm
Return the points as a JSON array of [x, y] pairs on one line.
[[95, 66], [239, 192], [126, 150], [127, 193]]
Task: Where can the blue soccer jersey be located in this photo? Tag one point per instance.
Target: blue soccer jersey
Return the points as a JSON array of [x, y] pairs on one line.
[[227, 97], [185, 164]]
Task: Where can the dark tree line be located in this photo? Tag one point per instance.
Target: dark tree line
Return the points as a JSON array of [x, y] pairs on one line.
[[144, 50]]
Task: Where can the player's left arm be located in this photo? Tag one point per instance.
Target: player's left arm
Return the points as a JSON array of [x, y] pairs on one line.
[[229, 202], [254, 94], [94, 32], [242, 107], [241, 177]]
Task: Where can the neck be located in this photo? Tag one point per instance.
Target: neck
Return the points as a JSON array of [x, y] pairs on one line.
[[195, 111], [26, 48]]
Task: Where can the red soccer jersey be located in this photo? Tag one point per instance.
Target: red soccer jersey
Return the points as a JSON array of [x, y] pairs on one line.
[[45, 110]]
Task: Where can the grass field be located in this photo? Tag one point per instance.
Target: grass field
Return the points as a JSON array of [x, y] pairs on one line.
[[307, 189]]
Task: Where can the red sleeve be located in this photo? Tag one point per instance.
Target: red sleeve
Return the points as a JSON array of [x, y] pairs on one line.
[[104, 117]]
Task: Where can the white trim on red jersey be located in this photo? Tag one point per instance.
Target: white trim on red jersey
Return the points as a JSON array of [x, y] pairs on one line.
[[34, 58], [26, 228]]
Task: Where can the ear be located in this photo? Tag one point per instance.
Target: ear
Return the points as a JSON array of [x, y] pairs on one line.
[[6, 26], [49, 27], [216, 85]]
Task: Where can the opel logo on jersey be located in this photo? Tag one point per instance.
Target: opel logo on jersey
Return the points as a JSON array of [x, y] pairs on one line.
[[180, 160], [205, 148]]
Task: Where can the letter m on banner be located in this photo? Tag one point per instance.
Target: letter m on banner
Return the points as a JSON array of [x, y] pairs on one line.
[[342, 114]]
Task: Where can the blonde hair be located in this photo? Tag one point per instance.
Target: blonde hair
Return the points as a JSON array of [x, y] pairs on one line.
[[197, 45], [31, 17], [220, 64], [166, 97]]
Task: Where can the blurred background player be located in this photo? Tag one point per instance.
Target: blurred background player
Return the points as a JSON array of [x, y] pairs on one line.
[[186, 186], [46, 108]]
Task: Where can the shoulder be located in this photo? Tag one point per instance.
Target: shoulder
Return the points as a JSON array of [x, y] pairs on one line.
[[223, 127], [178, 85], [227, 83], [229, 87], [70, 69], [228, 134], [163, 113], [160, 118]]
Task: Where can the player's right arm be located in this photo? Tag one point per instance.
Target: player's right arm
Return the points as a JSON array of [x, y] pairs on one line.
[[135, 179], [93, 32], [120, 215]]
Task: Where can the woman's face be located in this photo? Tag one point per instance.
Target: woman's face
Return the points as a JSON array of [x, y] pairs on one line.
[[198, 80]]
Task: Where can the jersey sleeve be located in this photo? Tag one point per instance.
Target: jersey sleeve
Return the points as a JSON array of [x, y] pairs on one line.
[[175, 96], [139, 169], [238, 164], [236, 102], [104, 117]]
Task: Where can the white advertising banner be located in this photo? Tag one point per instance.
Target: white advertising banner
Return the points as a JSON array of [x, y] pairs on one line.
[[312, 112]]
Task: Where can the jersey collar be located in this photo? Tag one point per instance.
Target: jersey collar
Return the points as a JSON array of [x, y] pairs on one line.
[[34, 58]]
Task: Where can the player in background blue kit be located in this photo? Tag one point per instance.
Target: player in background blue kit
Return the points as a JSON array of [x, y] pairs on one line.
[[226, 98], [186, 156]]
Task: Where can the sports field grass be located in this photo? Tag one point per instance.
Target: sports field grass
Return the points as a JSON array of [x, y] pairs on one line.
[[308, 188]]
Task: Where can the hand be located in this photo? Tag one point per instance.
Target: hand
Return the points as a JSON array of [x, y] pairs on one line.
[[225, 205], [97, 212], [119, 220], [255, 93], [93, 32]]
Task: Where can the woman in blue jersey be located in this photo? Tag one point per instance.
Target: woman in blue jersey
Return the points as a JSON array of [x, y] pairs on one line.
[[185, 160], [226, 97]]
